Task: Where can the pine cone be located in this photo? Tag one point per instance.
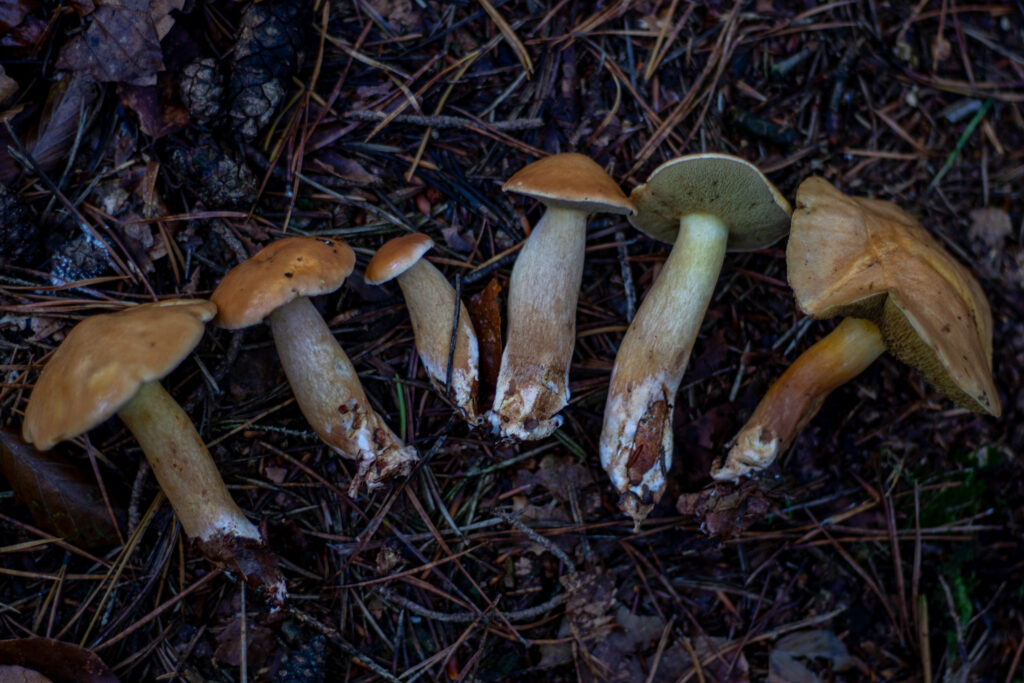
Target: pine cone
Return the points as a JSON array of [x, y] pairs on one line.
[[268, 52], [219, 181], [202, 88]]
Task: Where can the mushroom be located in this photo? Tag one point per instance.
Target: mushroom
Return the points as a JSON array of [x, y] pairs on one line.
[[533, 381], [276, 284], [113, 363], [872, 261], [431, 303], [706, 203]]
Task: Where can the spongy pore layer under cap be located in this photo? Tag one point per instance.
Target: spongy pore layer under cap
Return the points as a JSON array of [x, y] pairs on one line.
[[729, 188]]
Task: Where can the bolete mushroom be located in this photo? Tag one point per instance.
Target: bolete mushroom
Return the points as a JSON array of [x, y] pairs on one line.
[[706, 204], [533, 381], [276, 284], [869, 260], [113, 362], [431, 303]]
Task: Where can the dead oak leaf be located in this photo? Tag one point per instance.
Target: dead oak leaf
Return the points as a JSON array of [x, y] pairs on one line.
[[726, 510], [122, 44]]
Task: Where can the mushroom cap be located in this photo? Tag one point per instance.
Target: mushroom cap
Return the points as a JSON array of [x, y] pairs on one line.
[[570, 181], [104, 360], [868, 258], [396, 256], [280, 272], [727, 187]]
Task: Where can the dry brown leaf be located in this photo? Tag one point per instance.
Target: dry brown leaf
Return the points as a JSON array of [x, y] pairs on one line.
[[8, 86], [259, 644], [345, 168], [559, 474], [21, 26], [157, 106], [726, 510], [122, 44], [62, 497], [486, 314], [455, 240], [62, 662], [401, 16], [53, 136], [785, 666], [590, 595]]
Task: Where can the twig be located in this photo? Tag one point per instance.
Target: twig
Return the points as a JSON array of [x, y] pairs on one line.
[[343, 644], [540, 540], [661, 649], [466, 617], [446, 121], [455, 336]]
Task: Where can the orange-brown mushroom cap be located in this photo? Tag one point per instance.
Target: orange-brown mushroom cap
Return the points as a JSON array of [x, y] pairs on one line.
[[278, 273], [396, 256], [570, 181], [104, 360], [867, 258]]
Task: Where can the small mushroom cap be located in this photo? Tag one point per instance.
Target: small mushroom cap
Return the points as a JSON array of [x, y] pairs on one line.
[[724, 186], [280, 272], [104, 360], [570, 181], [866, 258], [396, 256]]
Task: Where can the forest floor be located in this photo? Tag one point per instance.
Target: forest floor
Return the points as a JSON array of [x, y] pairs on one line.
[[888, 544]]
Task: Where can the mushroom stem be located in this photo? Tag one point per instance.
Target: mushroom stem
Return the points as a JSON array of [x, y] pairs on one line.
[[636, 440], [795, 398], [189, 478], [431, 303], [331, 397], [533, 382]]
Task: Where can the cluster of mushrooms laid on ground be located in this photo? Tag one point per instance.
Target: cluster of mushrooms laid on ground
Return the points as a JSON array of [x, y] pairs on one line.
[[864, 260]]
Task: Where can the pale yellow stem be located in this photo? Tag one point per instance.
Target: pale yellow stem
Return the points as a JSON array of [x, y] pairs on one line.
[[533, 382], [331, 396], [189, 478], [795, 398], [431, 302], [636, 440]]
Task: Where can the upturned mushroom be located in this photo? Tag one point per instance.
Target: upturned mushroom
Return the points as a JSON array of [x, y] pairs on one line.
[[431, 303], [533, 381], [869, 260], [113, 363], [706, 204], [276, 284]]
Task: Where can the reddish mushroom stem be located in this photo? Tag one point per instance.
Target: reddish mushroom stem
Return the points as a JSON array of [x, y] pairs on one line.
[[331, 396], [189, 478], [795, 398]]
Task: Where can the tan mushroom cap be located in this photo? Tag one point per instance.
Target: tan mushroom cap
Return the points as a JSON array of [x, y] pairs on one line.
[[865, 258], [396, 256], [280, 272], [570, 181], [727, 187], [104, 360]]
